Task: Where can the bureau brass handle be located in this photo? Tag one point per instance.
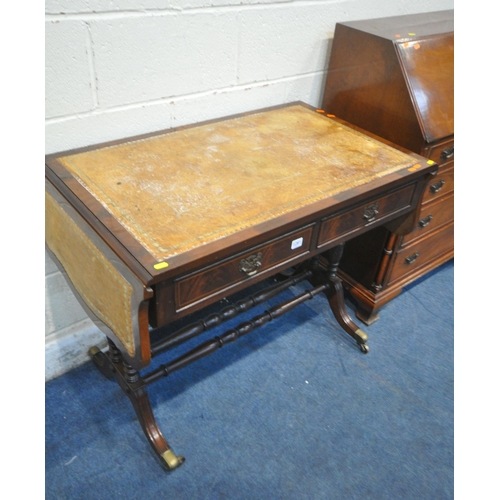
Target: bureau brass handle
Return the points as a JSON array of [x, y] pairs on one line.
[[437, 186], [251, 264], [370, 212], [448, 152], [425, 221], [412, 258]]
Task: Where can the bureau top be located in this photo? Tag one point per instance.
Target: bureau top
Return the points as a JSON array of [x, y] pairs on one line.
[[408, 26], [394, 76], [183, 189]]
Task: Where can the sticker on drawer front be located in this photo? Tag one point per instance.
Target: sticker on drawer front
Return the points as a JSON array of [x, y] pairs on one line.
[[297, 243]]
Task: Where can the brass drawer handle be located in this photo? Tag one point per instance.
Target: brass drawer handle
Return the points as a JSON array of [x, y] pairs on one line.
[[370, 212], [425, 221], [412, 258], [448, 152], [437, 186], [251, 264]]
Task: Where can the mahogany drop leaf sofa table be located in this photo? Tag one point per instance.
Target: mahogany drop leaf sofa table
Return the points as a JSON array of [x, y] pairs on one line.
[[150, 229]]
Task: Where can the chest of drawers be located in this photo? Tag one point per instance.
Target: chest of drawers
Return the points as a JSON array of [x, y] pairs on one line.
[[394, 77]]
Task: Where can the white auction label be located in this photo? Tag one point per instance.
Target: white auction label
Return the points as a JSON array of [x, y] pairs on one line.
[[297, 243]]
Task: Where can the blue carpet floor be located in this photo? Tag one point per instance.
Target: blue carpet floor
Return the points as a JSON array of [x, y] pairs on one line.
[[291, 411]]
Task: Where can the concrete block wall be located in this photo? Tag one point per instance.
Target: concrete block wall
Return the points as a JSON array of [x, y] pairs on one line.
[[117, 68]]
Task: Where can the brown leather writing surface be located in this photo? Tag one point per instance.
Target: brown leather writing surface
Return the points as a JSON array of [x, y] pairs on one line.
[[179, 190]]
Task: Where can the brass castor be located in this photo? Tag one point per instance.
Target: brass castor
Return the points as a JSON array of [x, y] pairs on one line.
[[172, 461], [364, 348]]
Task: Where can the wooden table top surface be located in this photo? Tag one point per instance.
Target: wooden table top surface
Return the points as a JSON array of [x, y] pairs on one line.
[[183, 189]]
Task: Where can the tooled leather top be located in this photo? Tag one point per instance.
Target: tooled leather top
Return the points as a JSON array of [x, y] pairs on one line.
[[186, 188]]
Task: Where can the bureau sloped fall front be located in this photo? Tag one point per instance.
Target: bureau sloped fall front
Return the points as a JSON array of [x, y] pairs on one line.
[[152, 229]]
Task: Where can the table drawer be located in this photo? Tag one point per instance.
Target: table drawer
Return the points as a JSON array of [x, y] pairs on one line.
[[432, 216], [364, 216], [442, 152], [422, 252], [443, 183], [223, 276]]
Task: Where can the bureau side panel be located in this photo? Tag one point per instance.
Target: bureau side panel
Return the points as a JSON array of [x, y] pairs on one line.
[[365, 86], [112, 296]]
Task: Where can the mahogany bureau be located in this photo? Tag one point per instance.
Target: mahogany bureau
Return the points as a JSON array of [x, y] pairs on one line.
[[153, 228], [394, 77]]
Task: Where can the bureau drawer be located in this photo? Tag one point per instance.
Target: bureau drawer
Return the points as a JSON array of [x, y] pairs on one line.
[[223, 276], [442, 184], [353, 220], [422, 252], [442, 152], [433, 215]]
